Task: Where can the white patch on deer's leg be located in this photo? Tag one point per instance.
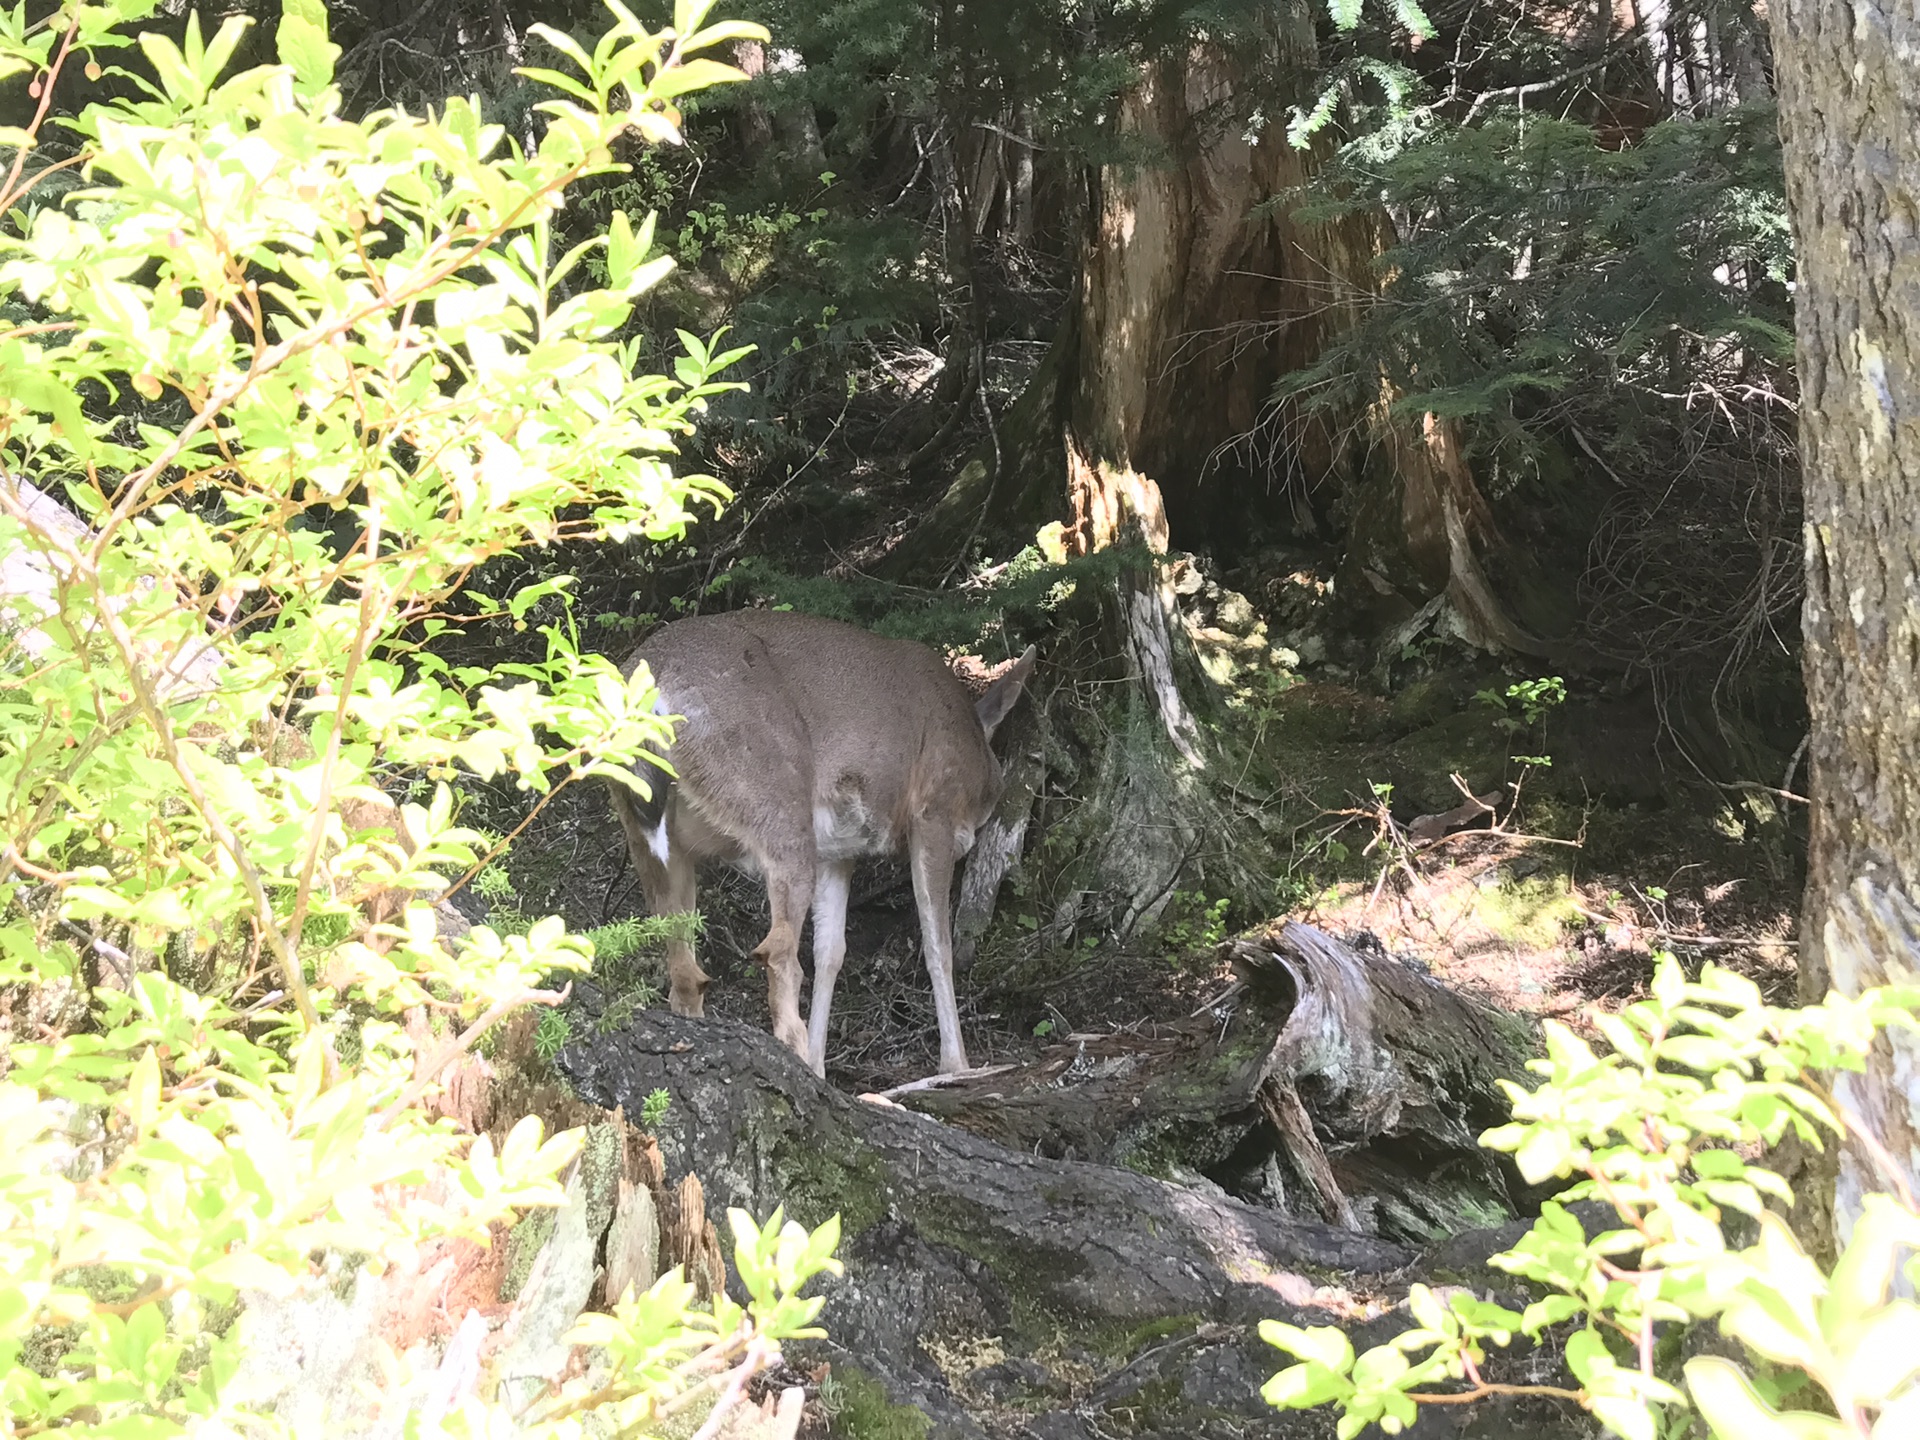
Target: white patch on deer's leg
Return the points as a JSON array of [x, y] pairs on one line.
[[830, 886], [932, 891], [657, 838]]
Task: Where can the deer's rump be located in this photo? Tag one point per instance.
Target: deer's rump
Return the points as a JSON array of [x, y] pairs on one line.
[[804, 744]]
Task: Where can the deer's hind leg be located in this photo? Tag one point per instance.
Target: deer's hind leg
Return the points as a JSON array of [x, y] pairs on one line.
[[668, 883], [786, 859], [746, 767]]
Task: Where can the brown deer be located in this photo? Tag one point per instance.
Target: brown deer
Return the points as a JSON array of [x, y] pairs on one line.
[[806, 744]]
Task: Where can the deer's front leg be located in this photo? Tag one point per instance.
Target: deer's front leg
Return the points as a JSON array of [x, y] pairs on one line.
[[789, 896], [932, 866]]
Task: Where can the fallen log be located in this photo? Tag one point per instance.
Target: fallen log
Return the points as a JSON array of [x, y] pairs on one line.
[[954, 1246], [1331, 1082], [762, 1131]]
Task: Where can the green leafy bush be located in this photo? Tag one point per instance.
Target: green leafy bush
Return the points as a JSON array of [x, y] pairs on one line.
[[301, 375], [1666, 1132], [1192, 920]]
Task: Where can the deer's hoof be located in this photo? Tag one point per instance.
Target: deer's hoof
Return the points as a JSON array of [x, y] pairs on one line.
[[793, 1035]]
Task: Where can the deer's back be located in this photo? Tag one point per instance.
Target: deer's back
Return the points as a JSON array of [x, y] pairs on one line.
[[782, 710]]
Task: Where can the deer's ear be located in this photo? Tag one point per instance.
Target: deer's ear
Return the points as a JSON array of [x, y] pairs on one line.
[[1003, 694]]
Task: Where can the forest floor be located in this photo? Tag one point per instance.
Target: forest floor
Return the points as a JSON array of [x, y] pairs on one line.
[[1613, 852]]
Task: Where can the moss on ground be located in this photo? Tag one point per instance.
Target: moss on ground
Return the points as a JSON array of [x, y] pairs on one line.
[[1535, 910], [819, 1179], [862, 1411], [1121, 1343]]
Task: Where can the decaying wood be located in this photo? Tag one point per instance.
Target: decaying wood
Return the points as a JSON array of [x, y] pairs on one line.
[[949, 1239], [935, 1082], [1280, 1103], [680, 1232], [998, 845], [1396, 1071], [1425, 829], [696, 1245], [492, 1319], [633, 1244], [763, 1132]]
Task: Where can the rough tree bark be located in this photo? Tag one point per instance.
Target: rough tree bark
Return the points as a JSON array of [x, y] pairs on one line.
[[1850, 123]]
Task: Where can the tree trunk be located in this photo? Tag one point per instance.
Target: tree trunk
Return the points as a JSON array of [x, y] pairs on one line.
[[1153, 420], [1020, 187], [756, 124], [1198, 291], [1669, 75], [795, 125], [1850, 123]]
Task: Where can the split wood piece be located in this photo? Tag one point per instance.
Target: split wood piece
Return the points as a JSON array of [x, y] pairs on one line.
[[694, 1241], [651, 1226], [997, 848], [633, 1244], [669, 1227], [1428, 828], [1281, 1104]]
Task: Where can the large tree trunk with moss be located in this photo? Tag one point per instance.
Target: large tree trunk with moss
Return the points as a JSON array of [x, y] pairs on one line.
[[1850, 121], [983, 1277]]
